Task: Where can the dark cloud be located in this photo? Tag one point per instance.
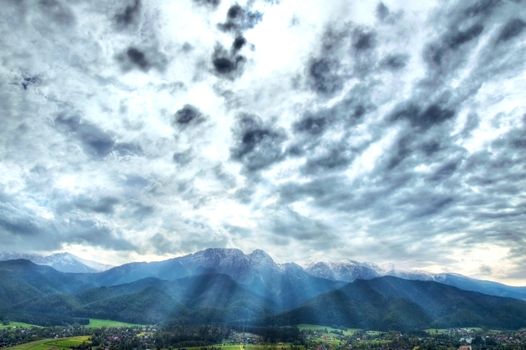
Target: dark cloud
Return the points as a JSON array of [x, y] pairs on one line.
[[480, 8], [238, 43], [382, 11], [424, 118], [395, 61], [138, 58], [289, 224], [323, 189], [364, 40], [199, 237], [90, 232], [439, 54], [57, 11], [345, 53], [140, 211], [28, 81], [445, 171], [13, 222], [336, 157], [462, 33], [94, 141], [511, 29], [239, 19], [227, 64], [460, 37], [143, 59], [430, 148], [402, 149], [323, 76], [257, 145], [210, 3], [224, 65], [22, 229], [129, 15], [431, 115], [187, 115], [103, 205], [314, 124], [323, 153]]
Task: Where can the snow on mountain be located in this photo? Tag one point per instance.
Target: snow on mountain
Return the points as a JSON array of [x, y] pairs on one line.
[[286, 284], [64, 262], [344, 271], [351, 270], [261, 272], [257, 271]]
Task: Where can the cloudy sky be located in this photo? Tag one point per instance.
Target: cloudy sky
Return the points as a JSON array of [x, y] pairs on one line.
[[387, 132]]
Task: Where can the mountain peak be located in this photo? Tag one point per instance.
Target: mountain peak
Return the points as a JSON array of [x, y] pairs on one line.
[[345, 271], [260, 255], [221, 251]]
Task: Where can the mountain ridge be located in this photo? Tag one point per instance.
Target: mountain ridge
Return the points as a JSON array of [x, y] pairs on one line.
[[389, 302], [256, 291], [63, 261], [352, 270]]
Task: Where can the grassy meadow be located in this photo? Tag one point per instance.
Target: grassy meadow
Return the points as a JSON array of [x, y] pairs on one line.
[[16, 325], [96, 323], [53, 344]]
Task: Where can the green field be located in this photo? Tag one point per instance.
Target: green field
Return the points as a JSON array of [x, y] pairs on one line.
[[95, 323], [52, 344], [315, 327], [16, 325], [437, 331], [326, 335]]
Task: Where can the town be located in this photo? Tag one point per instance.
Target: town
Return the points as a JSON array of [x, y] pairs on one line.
[[108, 335]]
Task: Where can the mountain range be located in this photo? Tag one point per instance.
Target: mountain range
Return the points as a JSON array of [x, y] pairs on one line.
[[64, 262], [228, 286], [352, 270]]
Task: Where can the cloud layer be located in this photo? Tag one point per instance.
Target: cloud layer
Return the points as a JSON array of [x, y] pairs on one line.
[[381, 131]]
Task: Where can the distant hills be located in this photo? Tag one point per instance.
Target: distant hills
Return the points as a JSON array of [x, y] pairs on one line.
[[228, 286], [64, 262], [352, 270], [394, 303]]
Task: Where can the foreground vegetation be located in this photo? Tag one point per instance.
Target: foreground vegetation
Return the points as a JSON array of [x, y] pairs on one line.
[[55, 344], [115, 335]]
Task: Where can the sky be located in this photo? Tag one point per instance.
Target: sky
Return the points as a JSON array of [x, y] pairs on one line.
[[390, 132]]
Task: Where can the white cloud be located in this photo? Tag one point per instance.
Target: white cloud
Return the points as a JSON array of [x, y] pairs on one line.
[[84, 120]]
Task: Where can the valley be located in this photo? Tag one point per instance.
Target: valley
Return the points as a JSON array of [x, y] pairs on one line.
[[300, 337]]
